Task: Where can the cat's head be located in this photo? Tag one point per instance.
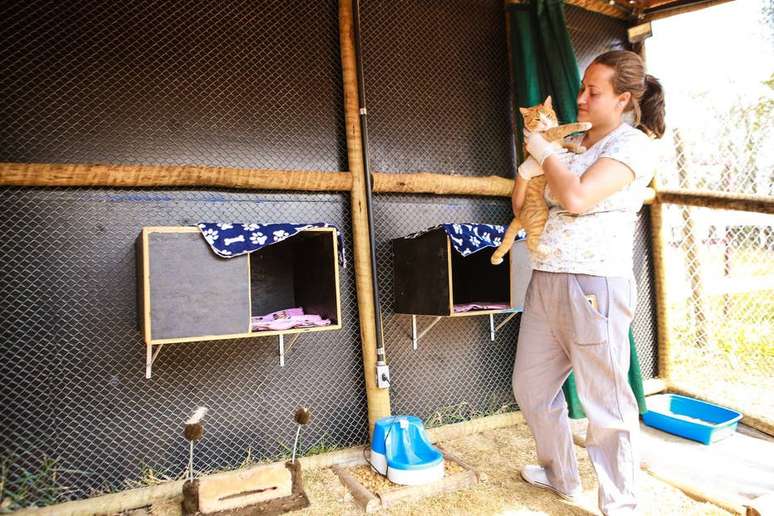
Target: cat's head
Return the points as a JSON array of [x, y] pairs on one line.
[[540, 117]]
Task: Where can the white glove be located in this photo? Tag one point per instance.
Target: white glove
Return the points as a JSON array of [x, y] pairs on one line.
[[540, 148], [529, 169], [565, 157]]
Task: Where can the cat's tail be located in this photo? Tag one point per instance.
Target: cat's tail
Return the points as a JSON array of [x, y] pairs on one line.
[[510, 236]]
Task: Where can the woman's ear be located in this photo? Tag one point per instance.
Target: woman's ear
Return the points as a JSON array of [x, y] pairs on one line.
[[623, 99]]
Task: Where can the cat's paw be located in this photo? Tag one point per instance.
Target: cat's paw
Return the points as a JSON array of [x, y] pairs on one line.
[[575, 148]]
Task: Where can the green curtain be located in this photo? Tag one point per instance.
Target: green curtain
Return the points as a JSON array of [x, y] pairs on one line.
[[542, 62], [635, 380]]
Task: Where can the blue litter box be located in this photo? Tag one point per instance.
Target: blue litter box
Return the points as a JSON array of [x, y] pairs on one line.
[[690, 418], [401, 450]]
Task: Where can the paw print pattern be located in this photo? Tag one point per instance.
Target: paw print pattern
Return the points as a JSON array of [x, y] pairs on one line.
[[258, 238], [280, 235], [210, 235]]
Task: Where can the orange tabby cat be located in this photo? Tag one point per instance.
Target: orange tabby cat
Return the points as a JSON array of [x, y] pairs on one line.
[[534, 212]]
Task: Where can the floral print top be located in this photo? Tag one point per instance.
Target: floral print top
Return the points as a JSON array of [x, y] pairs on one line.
[[599, 242]]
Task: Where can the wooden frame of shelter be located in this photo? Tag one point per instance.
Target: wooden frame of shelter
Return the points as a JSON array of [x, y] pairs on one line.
[[354, 182]]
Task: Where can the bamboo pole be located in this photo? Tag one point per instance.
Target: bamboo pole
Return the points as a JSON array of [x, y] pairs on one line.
[[170, 176], [442, 184], [64, 174], [717, 200], [658, 244], [378, 399]]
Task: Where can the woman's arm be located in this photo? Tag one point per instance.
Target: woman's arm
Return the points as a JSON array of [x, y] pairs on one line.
[[519, 192], [577, 194]]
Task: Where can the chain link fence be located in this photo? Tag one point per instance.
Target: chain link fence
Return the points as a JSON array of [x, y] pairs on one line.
[[239, 86], [719, 263], [720, 290]]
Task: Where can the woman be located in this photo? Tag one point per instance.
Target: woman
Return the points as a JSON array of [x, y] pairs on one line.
[[581, 299]]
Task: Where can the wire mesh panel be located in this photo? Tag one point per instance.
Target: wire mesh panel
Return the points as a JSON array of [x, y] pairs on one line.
[[593, 34], [644, 323], [720, 280], [159, 83], [179, 82], [436, 76], [457, 372], [73, 385], [719, 264], [720, 108], [244, 86]]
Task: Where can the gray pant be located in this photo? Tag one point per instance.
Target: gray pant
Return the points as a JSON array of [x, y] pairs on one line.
[[561, 330]]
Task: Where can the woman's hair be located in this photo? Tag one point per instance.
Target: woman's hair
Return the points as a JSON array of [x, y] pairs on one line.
[[647, 95]]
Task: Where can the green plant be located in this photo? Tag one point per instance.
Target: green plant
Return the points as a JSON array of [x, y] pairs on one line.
[[21, 487]]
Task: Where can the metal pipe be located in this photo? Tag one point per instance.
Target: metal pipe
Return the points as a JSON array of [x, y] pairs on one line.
[[380, 355]]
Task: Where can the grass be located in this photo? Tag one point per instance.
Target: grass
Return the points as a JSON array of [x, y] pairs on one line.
[[737, 329], [735, 363], [43, 485]]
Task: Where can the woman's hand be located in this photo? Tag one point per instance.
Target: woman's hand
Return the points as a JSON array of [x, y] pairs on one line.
[[529, 169], [540, 148]]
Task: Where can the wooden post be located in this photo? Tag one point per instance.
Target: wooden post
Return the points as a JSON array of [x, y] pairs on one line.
[[658, 242], [658, 246], [378, 399]]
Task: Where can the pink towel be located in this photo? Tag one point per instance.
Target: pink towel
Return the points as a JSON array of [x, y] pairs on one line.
[[467, 307], [286, 319]]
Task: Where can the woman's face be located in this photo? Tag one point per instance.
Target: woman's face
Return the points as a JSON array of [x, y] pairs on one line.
[[597, 102]]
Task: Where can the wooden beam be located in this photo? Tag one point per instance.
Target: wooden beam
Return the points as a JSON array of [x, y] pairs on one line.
[[716, 200], [671, 8], [166, 176], [378, 399], [442, 184], [64, 174], [602, 7]]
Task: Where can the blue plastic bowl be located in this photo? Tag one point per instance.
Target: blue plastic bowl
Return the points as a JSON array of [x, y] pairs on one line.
[[690, 418]]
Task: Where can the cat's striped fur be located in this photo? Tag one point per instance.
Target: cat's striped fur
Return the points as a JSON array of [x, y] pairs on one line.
[[534, 211]]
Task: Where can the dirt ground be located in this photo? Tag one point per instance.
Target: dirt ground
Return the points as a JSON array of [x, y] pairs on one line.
[[498, 454]]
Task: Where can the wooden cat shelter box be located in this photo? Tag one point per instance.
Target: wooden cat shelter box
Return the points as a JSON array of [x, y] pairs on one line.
[[187, 293], [430, 278]]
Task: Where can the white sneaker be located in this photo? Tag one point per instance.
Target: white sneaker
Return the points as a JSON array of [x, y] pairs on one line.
[[536, 476]]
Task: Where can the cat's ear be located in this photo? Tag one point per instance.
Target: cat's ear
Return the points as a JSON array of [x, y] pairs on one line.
[[523, 110], [547, 102]]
